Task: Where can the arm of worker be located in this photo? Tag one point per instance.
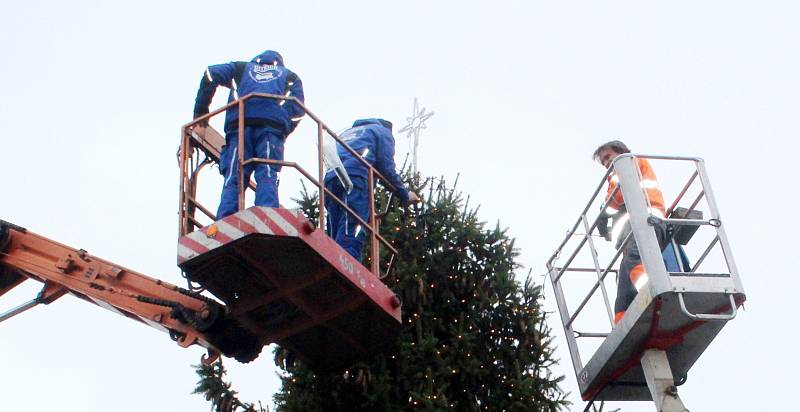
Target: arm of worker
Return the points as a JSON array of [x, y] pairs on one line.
[[602, 225], [384, 162], [617, 201], [295, 112], [216, 75]]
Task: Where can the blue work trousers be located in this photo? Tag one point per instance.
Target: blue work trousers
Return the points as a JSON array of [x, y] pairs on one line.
[[260, 142], [342, 226]]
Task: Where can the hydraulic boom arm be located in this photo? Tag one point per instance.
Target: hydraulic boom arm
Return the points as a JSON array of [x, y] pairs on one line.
[[189, 318]]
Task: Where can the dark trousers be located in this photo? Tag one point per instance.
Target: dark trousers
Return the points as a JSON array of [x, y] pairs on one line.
[[631, 270]]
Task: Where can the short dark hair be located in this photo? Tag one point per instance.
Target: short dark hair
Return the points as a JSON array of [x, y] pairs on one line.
[[614, 145]]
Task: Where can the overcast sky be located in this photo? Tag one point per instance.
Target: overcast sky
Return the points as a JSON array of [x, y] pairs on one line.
[[94, 93]]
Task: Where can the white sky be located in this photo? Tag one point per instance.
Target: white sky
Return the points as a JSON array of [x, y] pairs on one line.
[[94, 94]]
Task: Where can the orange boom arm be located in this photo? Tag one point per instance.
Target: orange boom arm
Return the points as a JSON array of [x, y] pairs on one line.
[[188, 317]]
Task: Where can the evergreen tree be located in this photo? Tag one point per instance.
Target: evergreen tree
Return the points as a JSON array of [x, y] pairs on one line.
[[212, 385], [472, 339]]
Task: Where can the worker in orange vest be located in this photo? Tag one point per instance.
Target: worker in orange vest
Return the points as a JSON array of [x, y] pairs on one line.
[[631, 276]]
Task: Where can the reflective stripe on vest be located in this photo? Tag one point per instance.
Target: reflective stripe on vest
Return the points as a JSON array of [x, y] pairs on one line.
[[649, 184]]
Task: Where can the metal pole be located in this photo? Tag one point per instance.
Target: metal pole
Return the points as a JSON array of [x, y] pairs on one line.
[[19, 309], [599, 281], [321, 171], [643, 234], [723, 237], [680, 195], [658, 375], [374, 251], [182, 229], [569, 333], [416, 146], [575, 228], [597, 269], [240, 151]]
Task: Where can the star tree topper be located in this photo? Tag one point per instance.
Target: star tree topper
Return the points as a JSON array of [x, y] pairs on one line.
[[415, 123]]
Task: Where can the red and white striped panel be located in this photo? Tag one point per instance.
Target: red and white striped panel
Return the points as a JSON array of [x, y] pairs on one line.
[[257, 219]]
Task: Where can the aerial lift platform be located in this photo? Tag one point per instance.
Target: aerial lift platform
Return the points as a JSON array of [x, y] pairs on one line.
[[282, 278], [288, 282], [277, 278], [675, 315]]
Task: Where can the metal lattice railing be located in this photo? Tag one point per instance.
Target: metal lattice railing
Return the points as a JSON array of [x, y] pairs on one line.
[[210, 145], [641, 220]]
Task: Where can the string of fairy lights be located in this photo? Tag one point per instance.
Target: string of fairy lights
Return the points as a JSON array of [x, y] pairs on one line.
[[459, 317], [416, 225]]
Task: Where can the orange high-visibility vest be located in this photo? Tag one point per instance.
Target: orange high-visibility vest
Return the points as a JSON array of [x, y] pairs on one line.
[[648, 183]]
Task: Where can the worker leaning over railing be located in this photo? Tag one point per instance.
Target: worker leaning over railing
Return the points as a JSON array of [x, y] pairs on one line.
[[373, 140], [631, 272], [267, 122]]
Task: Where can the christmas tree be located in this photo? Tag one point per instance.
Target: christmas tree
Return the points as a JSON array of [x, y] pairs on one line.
[[213, 387], [472, 338]]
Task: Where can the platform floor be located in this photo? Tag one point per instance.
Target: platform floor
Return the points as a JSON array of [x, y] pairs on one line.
[[614, 372], [290, 289]]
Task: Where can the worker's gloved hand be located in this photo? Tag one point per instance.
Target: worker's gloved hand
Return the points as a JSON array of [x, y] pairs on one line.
[[602, 225], [413, 198]]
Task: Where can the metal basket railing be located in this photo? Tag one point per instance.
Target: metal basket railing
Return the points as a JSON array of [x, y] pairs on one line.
[[210, 145], [630, 182]]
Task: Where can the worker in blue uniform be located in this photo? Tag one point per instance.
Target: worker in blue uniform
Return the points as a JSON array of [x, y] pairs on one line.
[[372, 139], [267, 123]]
